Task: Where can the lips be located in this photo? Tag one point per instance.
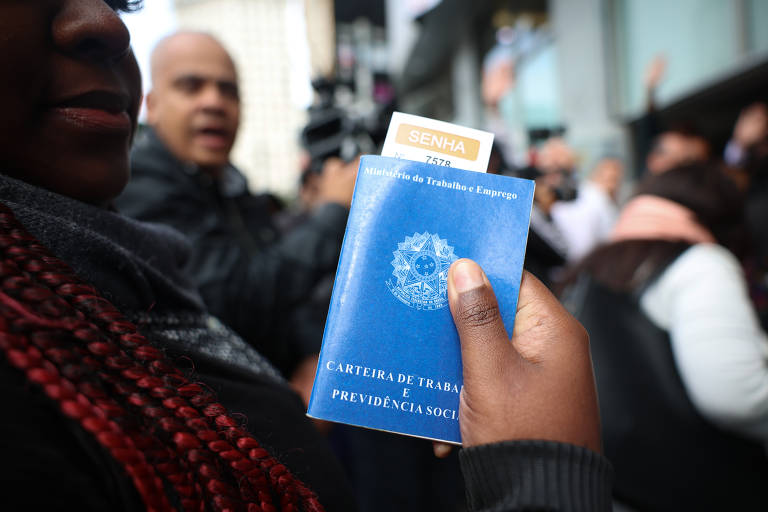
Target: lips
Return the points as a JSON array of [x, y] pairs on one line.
[[96, 111], [213, 137], [112, 102]]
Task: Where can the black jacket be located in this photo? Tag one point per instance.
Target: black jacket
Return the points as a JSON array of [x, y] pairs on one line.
[[667, 457], [257, 282]]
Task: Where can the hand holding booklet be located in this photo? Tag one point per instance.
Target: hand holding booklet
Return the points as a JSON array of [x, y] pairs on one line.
[[391, 358]]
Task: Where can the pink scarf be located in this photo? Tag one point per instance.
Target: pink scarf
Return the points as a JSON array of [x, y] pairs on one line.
[[649, 217]]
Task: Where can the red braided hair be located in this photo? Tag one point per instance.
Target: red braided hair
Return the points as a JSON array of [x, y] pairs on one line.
[[166, 431]]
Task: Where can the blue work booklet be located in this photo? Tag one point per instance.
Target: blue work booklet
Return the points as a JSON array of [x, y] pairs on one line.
[[391, 358]]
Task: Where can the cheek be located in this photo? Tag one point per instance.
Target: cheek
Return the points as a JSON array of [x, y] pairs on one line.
[[171, 117], [23, 139], [234, 116], [174, 122], [131, 76], [22, 81], [182, 111]]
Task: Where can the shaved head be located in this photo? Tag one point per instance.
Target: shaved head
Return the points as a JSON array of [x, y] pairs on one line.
[[170, 47], [194, 104]]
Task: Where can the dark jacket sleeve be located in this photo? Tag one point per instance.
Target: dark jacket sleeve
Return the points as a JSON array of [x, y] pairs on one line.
[[535, 475], [253, 286]]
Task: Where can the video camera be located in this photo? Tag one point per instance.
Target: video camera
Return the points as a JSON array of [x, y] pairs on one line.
[[335, 131]]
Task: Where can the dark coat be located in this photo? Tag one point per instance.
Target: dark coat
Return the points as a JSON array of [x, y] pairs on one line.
[[259, 283], [50, 461], [666, 455]]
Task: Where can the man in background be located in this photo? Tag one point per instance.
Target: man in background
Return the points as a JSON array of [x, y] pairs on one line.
[[256, 281]]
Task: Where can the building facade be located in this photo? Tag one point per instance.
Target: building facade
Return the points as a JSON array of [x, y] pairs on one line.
[[268, 41]]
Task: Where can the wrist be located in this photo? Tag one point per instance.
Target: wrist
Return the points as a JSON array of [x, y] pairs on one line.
[[533, 474]]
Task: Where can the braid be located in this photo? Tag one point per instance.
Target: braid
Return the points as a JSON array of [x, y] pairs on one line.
[[165, 430]]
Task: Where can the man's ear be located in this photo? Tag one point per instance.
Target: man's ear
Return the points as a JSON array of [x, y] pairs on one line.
[[151, 107]]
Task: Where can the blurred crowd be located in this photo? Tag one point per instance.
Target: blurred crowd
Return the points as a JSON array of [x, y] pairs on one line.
[[667, 270]]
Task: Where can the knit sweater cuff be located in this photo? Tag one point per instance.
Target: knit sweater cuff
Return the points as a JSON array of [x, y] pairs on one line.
[[536, 475]]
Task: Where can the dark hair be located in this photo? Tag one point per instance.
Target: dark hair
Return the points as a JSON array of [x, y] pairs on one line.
[[175, 442], [684, 127], [703, 188]]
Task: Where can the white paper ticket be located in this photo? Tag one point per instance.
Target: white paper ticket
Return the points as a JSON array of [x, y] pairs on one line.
[[436, 142]]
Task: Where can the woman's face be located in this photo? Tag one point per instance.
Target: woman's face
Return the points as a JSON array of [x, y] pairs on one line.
[[71, 91]]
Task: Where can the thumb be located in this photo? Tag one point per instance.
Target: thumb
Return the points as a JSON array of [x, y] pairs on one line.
[[485, 346]]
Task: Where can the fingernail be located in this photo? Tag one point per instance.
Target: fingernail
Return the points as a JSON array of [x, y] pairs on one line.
[[467, 275]]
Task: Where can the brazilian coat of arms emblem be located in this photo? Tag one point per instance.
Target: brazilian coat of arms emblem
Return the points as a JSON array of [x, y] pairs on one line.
[[420, 276]]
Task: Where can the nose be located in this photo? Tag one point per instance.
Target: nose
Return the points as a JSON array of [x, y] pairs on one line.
[[90, 29], [211, 99]]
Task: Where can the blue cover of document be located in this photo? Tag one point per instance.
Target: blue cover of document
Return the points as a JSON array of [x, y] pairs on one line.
[[390, 358]]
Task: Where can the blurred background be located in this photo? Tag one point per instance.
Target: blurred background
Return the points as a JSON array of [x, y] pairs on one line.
[[594, 100], [524, 69]]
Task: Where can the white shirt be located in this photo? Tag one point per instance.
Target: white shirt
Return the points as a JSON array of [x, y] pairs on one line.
[[585, 221], [720, 349]]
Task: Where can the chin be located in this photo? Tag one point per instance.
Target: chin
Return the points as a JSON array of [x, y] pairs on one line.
[[212, 161], [100, 186]]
